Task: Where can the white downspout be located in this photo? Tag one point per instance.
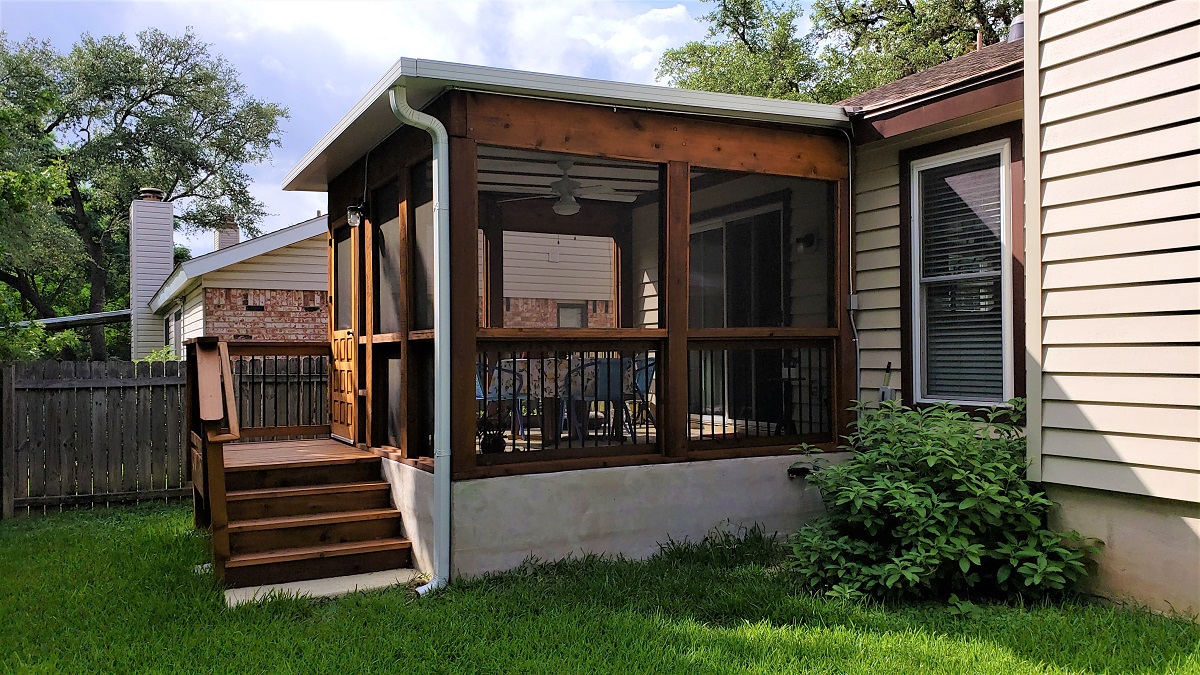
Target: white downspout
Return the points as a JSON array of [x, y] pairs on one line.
[[398, 97]]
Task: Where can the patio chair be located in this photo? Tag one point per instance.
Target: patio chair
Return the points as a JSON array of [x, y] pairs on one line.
[[637, 401], [591, 382]]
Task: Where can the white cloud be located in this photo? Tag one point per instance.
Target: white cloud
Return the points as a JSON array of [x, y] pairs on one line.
[[317, 57]]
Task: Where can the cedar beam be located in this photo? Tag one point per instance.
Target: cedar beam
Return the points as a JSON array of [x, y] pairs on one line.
[[555, 126]]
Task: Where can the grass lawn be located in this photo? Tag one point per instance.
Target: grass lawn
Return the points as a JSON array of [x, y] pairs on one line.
[[114, 591]]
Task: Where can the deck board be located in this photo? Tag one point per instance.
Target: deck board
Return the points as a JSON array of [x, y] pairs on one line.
[[291, 453]]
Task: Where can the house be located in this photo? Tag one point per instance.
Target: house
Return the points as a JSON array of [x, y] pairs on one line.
[[271, 287], [1072, 282], [770, 262]]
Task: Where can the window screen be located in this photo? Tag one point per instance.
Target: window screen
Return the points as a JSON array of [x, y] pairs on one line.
[[960, 277]]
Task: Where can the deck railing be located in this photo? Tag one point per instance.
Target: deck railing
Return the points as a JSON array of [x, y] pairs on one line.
[[566, 397], [281, 388]]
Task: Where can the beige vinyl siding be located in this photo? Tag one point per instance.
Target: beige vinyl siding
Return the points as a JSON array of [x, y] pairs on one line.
[[303, 266], [1113, 268], [558, 267], [877, 242], [191, 320], [193, 314]]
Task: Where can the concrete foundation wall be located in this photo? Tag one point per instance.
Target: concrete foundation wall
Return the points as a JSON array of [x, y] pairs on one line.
[[412, 495], [499, 522], [1151, 552]]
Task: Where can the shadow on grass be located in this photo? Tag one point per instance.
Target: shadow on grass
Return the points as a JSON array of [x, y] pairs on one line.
[[115, 591]]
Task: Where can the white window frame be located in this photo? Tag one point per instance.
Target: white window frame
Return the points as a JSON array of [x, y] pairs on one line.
[[916, 284]]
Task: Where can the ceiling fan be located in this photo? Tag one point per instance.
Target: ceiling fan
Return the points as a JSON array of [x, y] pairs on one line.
[[567, 190]]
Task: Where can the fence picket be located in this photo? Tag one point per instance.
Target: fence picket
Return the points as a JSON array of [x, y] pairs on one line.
[[83, 447], [99, 427], [173, 431]]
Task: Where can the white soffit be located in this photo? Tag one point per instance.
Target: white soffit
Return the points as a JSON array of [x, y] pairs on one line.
[[371, 119]]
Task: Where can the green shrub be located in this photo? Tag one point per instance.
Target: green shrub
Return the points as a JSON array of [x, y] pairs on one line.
[[934, 503]]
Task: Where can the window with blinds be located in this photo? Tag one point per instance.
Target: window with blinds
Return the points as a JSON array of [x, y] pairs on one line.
[[960, 238]]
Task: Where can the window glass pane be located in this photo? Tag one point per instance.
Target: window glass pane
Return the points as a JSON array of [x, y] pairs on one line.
[[567, 241], [760, 251], [385, 218], [962, 319], [960, 218], [343, 301], [964, 345], [423, 235]]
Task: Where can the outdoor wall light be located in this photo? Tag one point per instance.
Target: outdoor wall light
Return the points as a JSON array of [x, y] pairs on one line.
[[354, 215], [806, 243]]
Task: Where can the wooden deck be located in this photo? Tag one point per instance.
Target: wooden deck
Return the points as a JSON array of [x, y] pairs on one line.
[[292, 454]]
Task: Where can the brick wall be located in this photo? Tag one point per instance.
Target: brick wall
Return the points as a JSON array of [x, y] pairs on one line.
[[543, 313], [249, 314]]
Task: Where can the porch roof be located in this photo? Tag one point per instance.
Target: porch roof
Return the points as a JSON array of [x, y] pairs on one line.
[[371, 120]]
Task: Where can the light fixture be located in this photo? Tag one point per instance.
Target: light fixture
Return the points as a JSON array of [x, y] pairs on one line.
[[354, 215], [566, 205], [807, 242]]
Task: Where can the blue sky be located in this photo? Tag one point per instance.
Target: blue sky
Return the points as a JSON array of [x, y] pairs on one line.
[[319, 57]]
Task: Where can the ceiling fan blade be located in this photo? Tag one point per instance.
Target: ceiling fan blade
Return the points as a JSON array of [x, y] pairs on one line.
[[594, 189], [521, 199], [609, 197]]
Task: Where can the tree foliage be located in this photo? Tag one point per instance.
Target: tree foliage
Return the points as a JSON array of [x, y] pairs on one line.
[[756, 47], [94, 125]]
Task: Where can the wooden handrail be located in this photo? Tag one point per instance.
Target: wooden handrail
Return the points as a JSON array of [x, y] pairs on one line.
[[231, 414], [571, 334], [264, 348]]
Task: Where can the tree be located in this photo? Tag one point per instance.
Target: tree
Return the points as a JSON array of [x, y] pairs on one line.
[[751, 48], [111, 116], [755, 46]]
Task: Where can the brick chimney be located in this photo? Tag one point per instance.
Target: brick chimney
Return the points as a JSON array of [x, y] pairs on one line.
[[151, 259]]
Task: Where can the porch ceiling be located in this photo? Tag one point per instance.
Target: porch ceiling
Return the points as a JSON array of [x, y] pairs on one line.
[[370, 120], [524, 172]]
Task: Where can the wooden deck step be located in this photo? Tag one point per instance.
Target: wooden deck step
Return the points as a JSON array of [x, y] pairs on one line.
[[302, 474], [314, 552], [298, 531], [317, 562], [307, 499]]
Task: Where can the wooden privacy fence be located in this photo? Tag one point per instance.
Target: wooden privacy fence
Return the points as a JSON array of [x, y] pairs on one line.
[[104, 433], [91, 433]]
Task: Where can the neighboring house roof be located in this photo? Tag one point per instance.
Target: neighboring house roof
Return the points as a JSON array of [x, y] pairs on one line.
[[992, 60], [370, 121], [191, 270]]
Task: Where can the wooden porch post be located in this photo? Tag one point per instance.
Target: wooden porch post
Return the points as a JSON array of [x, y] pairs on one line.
[[366, 376], [674, 417], [464, 300], [493, 264], [408, 372], [846, 373]]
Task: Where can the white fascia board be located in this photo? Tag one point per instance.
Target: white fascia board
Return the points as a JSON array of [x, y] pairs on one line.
[[209, 262], [370, 120]]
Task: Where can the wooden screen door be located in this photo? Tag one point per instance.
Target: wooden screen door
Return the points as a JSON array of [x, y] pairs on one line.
[[343, 379]]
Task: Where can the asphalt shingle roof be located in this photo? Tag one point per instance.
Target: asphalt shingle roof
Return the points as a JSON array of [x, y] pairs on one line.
[[989, 59]]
